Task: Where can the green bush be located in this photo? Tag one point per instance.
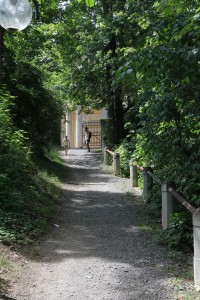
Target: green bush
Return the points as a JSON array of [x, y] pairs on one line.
[[179, 233], [125, 150], [27, 193]]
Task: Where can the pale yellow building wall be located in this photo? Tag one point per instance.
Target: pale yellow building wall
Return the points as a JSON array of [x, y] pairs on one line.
[[95, 116], [68, 125]]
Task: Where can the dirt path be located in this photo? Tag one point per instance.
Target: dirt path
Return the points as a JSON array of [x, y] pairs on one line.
[[97, 249]]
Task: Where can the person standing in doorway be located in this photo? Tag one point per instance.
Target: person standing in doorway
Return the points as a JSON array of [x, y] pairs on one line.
[[66, 144], [87, 138]]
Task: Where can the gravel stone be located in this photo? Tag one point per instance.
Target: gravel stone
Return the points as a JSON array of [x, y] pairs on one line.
[[97, 248]]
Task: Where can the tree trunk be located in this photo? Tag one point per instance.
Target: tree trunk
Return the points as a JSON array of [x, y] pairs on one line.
[[116, 123], [119, 121], [1, 53]]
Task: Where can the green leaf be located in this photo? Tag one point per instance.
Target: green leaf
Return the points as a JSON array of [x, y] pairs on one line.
[[90, 3]]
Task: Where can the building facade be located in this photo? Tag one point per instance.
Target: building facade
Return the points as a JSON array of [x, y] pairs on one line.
[[74, 127]]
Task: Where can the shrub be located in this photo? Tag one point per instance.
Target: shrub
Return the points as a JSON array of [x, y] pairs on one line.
[[27, 194]]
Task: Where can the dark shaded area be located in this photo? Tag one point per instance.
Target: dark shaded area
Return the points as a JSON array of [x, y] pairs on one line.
[[3, 297]]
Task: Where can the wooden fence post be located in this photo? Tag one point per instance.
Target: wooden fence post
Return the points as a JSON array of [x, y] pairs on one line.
[[133, 174], [147, 184], [168, 203], [116, 163], [196, 234], [103, 142], [105, 157]]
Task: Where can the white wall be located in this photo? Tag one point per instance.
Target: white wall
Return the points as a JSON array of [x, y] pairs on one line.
[[79, 119]]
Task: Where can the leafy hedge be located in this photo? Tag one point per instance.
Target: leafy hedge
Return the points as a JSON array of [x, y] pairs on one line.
[[27, 194], [169, 161]]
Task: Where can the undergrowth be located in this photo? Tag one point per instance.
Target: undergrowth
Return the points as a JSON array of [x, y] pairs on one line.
[[181, 271], [29, 197]]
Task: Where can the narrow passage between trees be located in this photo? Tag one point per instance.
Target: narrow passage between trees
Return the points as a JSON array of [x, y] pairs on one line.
[[98, 248]]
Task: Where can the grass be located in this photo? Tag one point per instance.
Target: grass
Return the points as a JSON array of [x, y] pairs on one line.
[[129, 195], [182, 269], [184, 289], [145, 219], [5, 266], [52, 162], [29, 212], [22, 226]]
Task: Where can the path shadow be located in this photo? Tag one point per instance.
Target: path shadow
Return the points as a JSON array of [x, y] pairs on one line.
[[103, 225], [85, 169], [3, 297], [95, 220]]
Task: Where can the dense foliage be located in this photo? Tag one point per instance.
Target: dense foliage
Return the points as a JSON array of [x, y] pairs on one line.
[[27, 194], [30, 113], [139, 59]]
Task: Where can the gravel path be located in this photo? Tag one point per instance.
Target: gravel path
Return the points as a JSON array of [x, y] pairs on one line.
[[97, 248]]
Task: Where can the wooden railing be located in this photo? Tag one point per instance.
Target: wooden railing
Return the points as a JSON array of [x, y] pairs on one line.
[[116, 160], [169, 195]]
